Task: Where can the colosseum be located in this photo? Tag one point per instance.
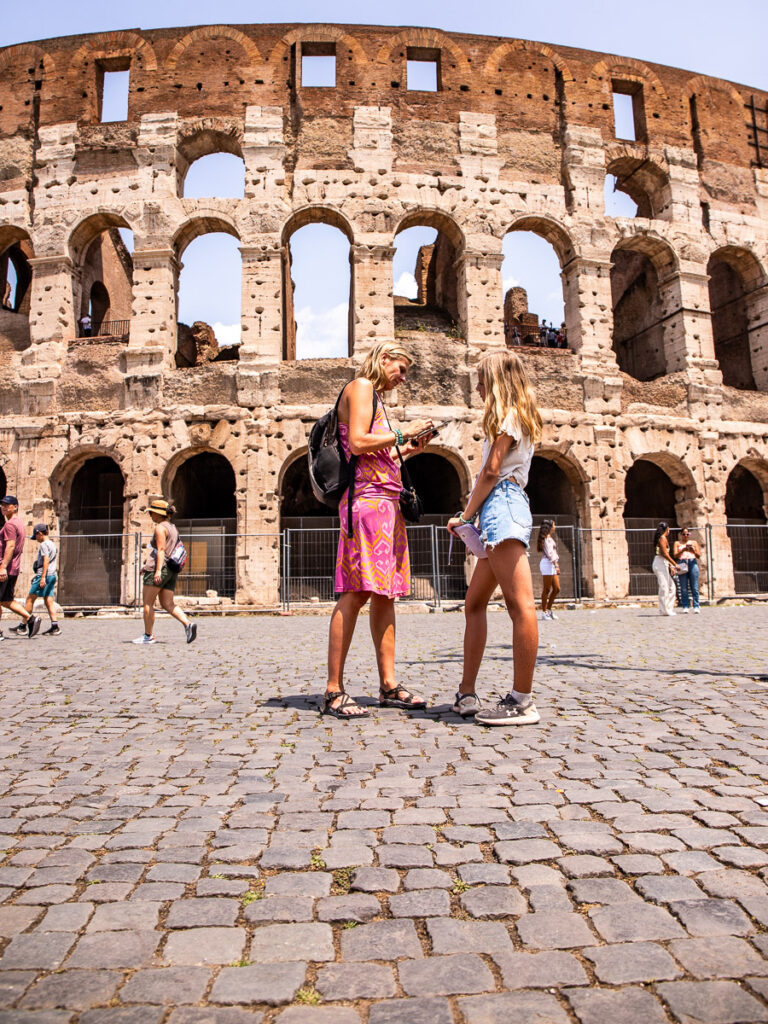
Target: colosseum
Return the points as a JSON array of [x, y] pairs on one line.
[[657, 406]]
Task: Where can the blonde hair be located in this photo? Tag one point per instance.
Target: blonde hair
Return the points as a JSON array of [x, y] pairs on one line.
[[372, 367], [507, 389]]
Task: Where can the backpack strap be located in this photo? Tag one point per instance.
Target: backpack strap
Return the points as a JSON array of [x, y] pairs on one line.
[[352, 461]]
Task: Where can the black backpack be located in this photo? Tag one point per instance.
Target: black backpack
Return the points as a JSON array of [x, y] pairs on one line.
[[331, 473]]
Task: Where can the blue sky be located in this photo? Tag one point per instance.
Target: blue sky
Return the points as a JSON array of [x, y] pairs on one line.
[[705, 37]]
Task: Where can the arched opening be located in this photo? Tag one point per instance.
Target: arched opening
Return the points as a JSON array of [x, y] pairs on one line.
[[91, 549], [203, 491], [552, 496], [311, 531], [102, 247], [649, 498], [210, 293], [638, 316], [733, 276], [636, 187], [534, 303], [745, 510], [318, 310], [15, 291], [99, 305], [440, 488], [425, 286]]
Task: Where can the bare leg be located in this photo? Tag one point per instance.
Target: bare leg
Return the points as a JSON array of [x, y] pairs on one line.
[[29, 604], [546, 583], [510, 566], [167, 604], [382, 623], [51, 609], [554, 591], [343, 621], [481, 588], [148, 596], [19, 609]]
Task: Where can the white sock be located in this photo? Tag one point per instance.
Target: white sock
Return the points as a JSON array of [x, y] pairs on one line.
[[523, 699]]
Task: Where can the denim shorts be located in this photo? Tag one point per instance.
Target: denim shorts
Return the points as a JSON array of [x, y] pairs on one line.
[[506, 515]]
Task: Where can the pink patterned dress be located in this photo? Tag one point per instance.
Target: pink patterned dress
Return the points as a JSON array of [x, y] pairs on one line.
[[375, 559]]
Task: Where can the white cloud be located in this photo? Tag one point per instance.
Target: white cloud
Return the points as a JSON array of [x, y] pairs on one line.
[[226, 334], [406, 286], [322, 335], [509, 282]]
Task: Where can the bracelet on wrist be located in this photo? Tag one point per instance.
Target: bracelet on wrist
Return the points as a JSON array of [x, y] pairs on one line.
[[466, 522], [399, 440]]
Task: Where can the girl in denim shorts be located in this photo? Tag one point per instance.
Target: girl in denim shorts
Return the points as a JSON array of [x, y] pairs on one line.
[[512, 425]]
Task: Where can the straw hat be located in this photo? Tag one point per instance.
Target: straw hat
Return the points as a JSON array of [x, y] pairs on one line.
[[159, 507]]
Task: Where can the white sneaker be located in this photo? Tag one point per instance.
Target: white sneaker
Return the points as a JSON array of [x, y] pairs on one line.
[[144, 639], [553, 616], [683, 611], [545, 615], [696, 611]]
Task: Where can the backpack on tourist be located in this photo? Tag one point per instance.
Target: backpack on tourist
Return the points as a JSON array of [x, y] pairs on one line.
[[331, 473]]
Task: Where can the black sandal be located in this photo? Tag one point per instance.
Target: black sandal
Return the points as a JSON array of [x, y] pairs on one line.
[[343, 710], [392, 698]]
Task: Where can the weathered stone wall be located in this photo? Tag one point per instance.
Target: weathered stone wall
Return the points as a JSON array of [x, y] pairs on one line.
[[518, 137]]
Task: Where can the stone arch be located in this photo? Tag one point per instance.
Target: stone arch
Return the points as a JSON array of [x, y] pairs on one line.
[[208, 136], [437, 305], [426, 39], [628, 69], [438, 480], [525, 46], [746, 504], [66, 469], [99, 254], [208, 32], [297, 500], [701, 83], [203, 222], [15, 303], [89, 228], [549, 229], [644, 179], [749, 474], [29, 54], [318, 33], [432, 217], [108, 45], [301, 218], [737, 285]]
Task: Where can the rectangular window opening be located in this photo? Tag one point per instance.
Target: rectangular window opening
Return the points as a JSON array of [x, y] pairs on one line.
[[423, 69], [113, 92], [628, 111], [318, 65]]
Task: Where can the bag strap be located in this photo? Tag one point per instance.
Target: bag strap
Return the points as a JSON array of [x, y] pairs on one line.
[[352, 460], [403, 471]]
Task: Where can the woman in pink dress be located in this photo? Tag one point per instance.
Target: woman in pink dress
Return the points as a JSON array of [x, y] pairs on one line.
[[372, 563]]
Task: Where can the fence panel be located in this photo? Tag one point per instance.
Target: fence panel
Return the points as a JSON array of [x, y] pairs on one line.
[[95, 570], [567, 540], [749, 553]]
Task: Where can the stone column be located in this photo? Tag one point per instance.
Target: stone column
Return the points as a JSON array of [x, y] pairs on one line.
[[52, 302], [153, 331], [589, 324], [480, 299], [608, 558], [372, 308], [688, 343], [262, 301]]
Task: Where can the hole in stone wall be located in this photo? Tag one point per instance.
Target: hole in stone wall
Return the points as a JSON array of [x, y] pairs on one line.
[[113, 101], [423, 69], [318, 65], [424, 282], [220, 175]]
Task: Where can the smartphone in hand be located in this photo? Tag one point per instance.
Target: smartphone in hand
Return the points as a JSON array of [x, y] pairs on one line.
[[432, 431]]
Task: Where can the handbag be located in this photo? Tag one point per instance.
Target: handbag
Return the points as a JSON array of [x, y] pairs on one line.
[[411, 504]]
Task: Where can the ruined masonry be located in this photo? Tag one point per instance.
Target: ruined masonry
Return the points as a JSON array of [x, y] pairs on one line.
[[660, 396]]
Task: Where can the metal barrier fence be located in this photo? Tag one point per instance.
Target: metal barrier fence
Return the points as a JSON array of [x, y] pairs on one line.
[[104, 569]]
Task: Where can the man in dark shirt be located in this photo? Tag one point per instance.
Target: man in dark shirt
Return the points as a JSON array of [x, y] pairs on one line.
[[12, 539]]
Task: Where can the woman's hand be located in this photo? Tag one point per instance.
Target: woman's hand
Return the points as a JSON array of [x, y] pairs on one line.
[[158, 577], [452, 524], [416, 427]]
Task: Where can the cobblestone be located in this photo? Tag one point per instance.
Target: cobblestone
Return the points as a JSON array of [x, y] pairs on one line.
[[190, 843]]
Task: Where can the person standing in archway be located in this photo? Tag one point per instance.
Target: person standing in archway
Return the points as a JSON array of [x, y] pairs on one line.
[[373, 563], [665, 567], [159, 577]]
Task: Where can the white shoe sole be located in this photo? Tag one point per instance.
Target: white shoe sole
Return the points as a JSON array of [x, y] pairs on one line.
[[531, 717]]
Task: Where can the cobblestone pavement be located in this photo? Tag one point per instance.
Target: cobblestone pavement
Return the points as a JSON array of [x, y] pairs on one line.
[[188, 842]]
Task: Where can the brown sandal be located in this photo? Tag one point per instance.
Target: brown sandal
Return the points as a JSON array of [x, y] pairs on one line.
[[400, 697], [344, 709]]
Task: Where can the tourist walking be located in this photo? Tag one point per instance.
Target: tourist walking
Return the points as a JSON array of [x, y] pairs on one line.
[[372, 564], [45, 568], [549, 566], [12, 537], [664, 567], [686, 553], [159, 577], [511, 424]]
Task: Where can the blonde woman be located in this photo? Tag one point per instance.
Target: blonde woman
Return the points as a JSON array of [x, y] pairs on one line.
[[373, 563], [511, 424]]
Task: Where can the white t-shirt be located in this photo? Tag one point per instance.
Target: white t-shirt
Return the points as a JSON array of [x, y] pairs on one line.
[[550, 550], [517, 462]]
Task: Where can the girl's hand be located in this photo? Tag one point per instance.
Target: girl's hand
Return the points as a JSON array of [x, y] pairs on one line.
[[158, 578], [452, 523]]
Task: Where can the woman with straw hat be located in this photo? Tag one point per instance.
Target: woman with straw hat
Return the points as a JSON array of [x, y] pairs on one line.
[[158, 577]]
